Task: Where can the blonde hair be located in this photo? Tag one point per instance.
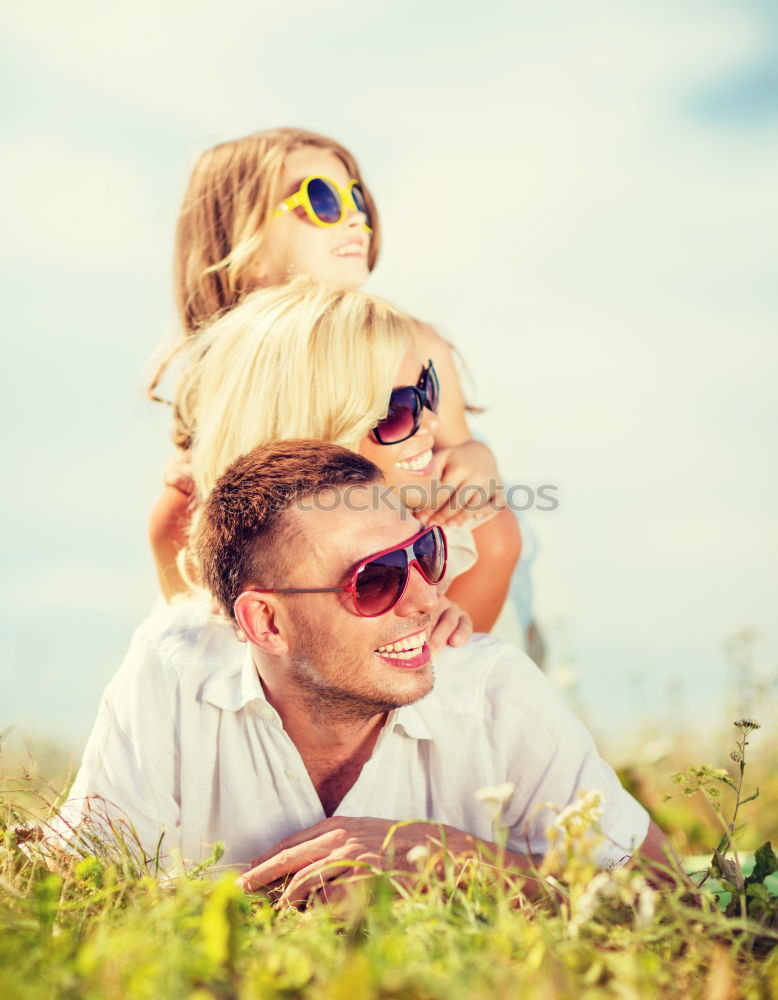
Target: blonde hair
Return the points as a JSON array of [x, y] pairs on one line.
[[232, 191], [299, 360]]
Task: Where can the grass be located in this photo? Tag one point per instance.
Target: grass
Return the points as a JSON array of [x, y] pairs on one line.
[[99, 928]]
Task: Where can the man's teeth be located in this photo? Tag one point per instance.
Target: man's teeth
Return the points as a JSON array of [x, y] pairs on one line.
[[405, 649], [420, 462]]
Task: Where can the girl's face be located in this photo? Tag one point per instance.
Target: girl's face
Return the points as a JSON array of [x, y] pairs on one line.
[[409, 463], [295, 245]]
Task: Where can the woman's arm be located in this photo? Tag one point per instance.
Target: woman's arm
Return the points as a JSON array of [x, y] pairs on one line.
[[482, 590], [468, 467]]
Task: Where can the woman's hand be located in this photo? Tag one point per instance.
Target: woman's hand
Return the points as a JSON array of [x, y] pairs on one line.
[[466, 485], [450, 626]]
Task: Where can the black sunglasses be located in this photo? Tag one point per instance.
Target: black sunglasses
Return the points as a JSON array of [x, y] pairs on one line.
[[406, 408]]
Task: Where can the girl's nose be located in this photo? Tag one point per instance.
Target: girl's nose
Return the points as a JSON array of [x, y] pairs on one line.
[[356, 219]]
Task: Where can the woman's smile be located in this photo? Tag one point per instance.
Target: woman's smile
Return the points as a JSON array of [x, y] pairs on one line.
[[418, 463]]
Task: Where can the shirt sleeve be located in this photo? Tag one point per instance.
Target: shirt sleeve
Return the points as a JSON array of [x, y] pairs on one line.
[[547, 754], [125, 795], [462, 554]]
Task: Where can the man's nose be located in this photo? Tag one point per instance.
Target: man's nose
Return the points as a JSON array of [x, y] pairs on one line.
[[420, 597]]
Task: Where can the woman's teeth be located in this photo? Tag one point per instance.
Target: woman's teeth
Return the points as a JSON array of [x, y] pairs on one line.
[[416, 464], [405, 649]]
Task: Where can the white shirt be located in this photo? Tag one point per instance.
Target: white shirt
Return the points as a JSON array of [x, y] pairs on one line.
[[186, 743], [462, 553]]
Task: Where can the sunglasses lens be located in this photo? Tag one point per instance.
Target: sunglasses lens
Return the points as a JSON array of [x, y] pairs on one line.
[[359, 200], [402, 420], [430, 552], [380, 583], [432, 387], [325, 200]]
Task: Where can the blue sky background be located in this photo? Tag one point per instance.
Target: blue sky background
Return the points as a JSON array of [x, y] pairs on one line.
[[582, 197]]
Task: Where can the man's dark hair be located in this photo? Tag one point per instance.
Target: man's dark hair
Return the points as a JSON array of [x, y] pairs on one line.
[[243, 524]]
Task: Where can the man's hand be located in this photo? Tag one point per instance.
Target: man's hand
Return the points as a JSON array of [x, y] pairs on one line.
[[340, 845], [657, 853], [468, 485], [450, 625]]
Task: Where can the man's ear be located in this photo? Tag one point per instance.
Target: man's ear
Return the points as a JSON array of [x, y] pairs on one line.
[[257, 618]]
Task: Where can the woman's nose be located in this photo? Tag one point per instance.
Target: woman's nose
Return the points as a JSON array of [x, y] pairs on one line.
[[429, 421]]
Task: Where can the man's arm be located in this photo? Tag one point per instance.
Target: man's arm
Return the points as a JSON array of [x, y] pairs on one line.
[[657, 852], [339, 845], [319, 855]]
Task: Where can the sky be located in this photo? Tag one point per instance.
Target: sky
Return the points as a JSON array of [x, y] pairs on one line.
[[580, 197]]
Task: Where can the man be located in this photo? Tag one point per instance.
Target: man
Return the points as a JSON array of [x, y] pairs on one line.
[[303, 748]]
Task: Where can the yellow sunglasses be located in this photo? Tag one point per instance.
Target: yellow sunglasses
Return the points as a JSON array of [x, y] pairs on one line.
[[324, 202]]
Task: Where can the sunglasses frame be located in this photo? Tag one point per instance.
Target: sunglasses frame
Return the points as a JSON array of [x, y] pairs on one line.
[[351, 588], [301, 199], [422, 394]]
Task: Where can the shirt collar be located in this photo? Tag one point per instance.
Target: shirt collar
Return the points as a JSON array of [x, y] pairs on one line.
[[409, 718], [232, 689]]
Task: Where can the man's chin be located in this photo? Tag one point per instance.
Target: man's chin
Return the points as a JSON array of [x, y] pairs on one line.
[[418, 686]]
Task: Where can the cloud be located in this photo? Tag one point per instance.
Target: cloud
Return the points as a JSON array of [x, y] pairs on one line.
[[72, 208], [579, 151], [194, 62], [93, 589]]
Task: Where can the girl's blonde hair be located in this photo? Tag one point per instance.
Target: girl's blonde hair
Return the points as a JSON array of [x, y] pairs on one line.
[[232, 192], [299, 360]]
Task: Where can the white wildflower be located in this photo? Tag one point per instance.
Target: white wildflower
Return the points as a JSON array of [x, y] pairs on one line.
[[417, 854], [646, 905], [581, 815], [583, 907], [497, 795]]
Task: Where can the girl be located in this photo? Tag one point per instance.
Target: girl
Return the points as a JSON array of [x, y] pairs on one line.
[[259, 210]]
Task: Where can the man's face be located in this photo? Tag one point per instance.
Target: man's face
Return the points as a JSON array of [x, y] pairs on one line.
[[339, 661]]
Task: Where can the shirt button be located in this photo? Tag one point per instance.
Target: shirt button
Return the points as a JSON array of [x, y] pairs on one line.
[[291, 775]]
